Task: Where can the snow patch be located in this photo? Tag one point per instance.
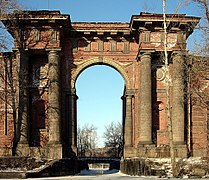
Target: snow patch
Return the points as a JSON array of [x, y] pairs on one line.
[[97, 171]]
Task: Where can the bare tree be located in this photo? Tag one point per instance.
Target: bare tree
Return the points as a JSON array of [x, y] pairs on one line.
[[87, 139], [114, 138], [202, 46], [7, 9], [7, 80], [168, 110], [199, 58], [8, 74]]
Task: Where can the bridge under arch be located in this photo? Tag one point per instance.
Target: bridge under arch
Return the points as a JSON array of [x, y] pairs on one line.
[[54, 51]]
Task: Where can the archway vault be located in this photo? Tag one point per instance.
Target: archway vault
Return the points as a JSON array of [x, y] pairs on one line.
[[82, 65]]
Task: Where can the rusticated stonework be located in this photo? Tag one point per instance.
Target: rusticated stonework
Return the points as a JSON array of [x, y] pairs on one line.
[[54, 51]]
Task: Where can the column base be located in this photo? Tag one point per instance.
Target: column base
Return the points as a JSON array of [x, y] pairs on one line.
[[74, 150], [145, 143], [162, 138], [23, 149], [55, 151], [178, 143], [129, 151], [151, 151], [181, 151], [70, 151], [5, 151]]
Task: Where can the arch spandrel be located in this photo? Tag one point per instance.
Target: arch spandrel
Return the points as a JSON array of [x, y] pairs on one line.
[[81, 66]]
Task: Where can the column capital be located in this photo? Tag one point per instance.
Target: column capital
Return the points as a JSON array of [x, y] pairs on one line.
[[143, 53], [130, 93], [20, 51], [73, 93], [53, 50], [178, 53]]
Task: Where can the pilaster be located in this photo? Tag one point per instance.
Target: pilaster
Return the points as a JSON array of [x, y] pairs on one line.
[[73, 121], [128, 129]]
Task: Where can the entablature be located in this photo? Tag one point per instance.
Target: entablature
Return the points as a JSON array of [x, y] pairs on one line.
[[150, 30], [154, 22], [38, 18], [104, 31], [37, 29]]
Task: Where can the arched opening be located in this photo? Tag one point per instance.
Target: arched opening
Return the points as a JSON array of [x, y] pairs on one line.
[[99, 107]]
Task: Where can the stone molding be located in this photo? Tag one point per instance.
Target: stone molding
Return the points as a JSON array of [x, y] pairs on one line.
[[99, 60]]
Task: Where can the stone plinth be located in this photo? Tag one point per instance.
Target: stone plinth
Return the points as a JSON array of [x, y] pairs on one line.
[[55, 151], [152, 151]]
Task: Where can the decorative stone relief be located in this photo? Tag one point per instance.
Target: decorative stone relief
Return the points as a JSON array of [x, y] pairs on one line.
[[53, 35], [87, 46], [100, 46], [160, 74], [113, 46], [36, 35], [126, 47]]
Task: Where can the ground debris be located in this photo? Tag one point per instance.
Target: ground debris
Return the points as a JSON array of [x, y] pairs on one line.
[[16, 164], [193, 167], [161, 167]]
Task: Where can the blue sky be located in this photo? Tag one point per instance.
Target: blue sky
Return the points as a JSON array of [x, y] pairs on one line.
[[100, 87], [107, 10]]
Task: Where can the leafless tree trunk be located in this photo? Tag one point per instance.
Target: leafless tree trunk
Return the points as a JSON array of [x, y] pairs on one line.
[[7, 9], [199, 58], [8, 74], [114, 138], [87, 139], [168, 80], [201, 47]]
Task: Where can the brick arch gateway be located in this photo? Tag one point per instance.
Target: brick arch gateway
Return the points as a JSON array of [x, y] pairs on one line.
[[100, 61], [110, 63], [53, 51]]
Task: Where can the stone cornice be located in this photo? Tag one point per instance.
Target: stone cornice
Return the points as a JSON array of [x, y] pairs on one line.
[[154, 22], [38, 18], [101, 29]]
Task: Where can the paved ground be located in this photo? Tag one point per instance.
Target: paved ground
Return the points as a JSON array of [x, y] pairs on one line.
[[98, 174], [113, 176]]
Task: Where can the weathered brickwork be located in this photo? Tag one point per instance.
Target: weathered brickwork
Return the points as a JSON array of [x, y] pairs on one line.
[[54, 52], [200, 107]]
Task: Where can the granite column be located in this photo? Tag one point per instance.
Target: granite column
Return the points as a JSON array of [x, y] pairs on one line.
[[178, 98], [145, 99], [22, 126], [54, 114]]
